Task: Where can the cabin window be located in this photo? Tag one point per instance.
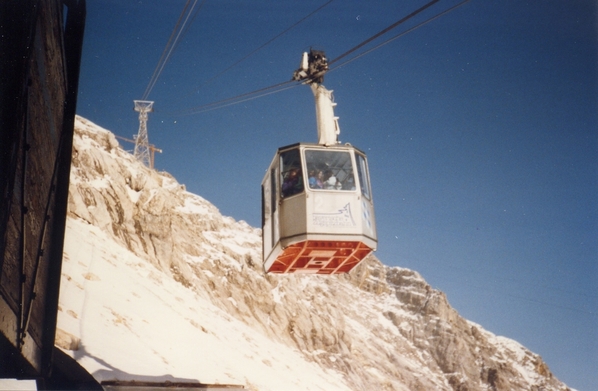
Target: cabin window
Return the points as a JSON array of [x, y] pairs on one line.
[[291, 174], [362, 172], [329, 170], [273, 202], [273, 199]]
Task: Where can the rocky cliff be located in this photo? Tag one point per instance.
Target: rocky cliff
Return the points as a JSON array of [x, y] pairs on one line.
[[377, 328]]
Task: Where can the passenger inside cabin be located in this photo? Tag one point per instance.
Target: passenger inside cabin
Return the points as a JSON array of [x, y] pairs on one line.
[[316, 179], [329, 180], [293, 183]]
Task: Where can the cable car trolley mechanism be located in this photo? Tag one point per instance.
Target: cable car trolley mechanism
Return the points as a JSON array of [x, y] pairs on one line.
[[317, 207]]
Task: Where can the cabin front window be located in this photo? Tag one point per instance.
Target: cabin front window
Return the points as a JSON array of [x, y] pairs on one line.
[[329, 170], [291, 173]]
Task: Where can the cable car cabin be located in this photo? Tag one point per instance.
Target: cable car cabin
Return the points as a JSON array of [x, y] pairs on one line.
[[317, 210]]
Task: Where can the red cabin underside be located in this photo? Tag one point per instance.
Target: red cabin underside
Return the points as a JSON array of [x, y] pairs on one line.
[[320, 257]]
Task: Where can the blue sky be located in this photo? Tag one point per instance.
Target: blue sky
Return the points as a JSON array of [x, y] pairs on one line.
[[481, 130]]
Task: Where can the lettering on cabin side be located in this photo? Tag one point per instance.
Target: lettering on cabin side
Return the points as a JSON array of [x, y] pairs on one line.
[[340, 218]]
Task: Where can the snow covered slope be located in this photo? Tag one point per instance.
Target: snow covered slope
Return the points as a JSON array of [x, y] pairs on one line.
[[157, 285]]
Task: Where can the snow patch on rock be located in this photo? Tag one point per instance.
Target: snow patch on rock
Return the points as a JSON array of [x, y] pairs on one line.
[[158, 285]]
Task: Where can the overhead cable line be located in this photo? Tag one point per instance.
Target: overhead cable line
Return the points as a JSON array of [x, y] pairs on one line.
[[392, 26], [185, 29], [179, 29], [266, 90], [222, 105], [241, 98], [262, 46], [270, 41], [397, 36]]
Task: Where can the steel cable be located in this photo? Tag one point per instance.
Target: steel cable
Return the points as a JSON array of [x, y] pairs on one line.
[[263, 91], [396, 36], [171, 44]]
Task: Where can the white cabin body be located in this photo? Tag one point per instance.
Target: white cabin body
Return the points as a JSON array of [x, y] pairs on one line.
[[317, 210]]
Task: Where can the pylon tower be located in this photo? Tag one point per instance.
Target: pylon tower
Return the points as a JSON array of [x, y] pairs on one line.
[[142, 147]]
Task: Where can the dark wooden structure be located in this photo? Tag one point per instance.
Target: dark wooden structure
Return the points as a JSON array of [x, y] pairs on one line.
[[41, 43]]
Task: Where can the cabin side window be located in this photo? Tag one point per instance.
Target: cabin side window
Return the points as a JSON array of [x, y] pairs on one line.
[[291, 173], [273, 200], [329, 170], [362, 172]]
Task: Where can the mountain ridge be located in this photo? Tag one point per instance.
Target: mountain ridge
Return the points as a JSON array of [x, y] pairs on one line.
[[377, 327]]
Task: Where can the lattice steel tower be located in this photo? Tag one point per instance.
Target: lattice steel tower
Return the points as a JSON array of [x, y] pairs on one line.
[[142, 147]]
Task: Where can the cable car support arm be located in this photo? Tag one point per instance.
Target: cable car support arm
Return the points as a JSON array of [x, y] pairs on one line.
[[313, 67]]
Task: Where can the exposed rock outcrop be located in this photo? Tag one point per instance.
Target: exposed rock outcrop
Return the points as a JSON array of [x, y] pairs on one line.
[[382, 328]]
